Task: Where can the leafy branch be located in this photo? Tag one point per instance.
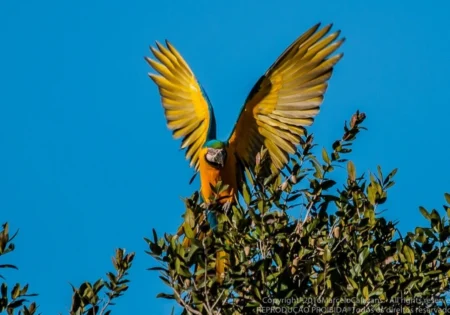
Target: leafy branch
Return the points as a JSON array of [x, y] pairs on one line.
[[86, 299], [18, 295], [341, 254]]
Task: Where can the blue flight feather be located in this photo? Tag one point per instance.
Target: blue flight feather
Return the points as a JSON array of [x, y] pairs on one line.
[[212, 122]]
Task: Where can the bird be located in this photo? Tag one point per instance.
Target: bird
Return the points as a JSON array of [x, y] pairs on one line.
[[284, 101]]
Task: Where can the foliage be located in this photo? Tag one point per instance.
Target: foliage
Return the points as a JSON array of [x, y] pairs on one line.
[[86, 299], [299, 242], [18, 295]]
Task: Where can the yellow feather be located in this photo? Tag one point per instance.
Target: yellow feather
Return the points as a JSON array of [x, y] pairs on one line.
[[188, 125], [160, 68], [288, 97], [180, 59], [164, 59], [192, 137], [316, 36], [163, 50], [172, 104], [327, 51], [186, 110], [276, 132], [291, 122], [176, 61], [178, 114], [163, 82], [301, 94], [323, 43], [326, 65], [193, 151], [176, 95]]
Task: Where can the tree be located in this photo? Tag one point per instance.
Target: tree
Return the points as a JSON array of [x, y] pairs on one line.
[[299, 242], [18, 294], [88, 299]]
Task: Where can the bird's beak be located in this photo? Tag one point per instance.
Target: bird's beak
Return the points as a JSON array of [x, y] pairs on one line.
[[221, 158], [217, 156]]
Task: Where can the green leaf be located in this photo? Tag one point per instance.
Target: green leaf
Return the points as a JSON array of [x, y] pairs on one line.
[[246, 194], [158, 269], [351, 171], [325, 156], [189, 217], [257, 293], [380, 173], [177, 265], [294, 197], [166, 296], [376, 292], [165, 280], [363, 255], [424, 213], [327, 254], [278, 260], [420, 235], [184, 272], [436, 221], [318, 168], [16, 303], [252, 304], [4, 290], [188, 231], [390, 176], [365, 293], [409, 254], [352, 283], [371, 194], [327, 184], [15, 291], [447, 198], [433, 272]]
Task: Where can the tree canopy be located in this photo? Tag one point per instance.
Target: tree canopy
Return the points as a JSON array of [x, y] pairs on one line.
[[297, 242]]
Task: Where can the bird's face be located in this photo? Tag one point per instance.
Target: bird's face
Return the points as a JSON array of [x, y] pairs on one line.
[[216, 157]]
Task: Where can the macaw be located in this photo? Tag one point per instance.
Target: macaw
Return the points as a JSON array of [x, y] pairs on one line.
[[280, 105]]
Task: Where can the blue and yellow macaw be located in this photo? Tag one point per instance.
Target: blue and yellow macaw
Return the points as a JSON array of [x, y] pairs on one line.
[[282, 102]]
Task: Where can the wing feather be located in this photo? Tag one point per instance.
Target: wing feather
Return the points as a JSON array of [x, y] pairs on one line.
[[187, 109], [287, 98]]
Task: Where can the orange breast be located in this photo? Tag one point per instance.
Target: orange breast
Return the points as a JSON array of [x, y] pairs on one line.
[[209, 175]]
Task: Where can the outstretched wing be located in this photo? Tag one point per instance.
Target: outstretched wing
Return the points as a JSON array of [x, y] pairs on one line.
[[187, 108], [286, 98]]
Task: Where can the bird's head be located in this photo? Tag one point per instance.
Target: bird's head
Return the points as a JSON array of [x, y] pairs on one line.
[[216, 153]]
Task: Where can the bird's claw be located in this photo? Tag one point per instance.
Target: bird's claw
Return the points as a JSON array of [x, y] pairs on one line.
[[226, 206], [205, 205]]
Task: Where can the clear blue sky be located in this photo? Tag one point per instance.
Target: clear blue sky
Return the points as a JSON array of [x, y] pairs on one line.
[[87, 164]]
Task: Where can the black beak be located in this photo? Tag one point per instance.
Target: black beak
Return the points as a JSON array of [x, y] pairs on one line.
[[219, 158]]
